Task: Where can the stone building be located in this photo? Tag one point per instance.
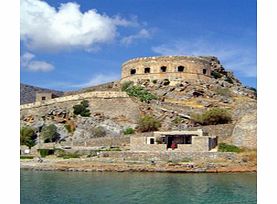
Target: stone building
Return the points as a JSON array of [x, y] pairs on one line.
[[173, 68], [43, 96], [179, 141]]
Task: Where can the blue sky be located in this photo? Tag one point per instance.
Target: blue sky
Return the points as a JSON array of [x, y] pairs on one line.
[[70, 45]]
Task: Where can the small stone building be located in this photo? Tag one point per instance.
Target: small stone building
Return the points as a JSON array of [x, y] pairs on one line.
[[179, 141], [44, 96]]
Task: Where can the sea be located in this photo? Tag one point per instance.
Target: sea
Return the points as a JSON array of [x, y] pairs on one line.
[[56, 187]]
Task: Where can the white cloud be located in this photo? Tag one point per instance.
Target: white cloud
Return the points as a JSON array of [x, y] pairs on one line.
[[29, 64], [143, 33], [98, 79], [238, 58], [44, 27]]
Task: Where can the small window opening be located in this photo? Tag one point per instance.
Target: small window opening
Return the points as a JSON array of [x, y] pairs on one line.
[[204, 71], [43, 98], [151, 140], [181, 68], [147, 70], [187, 139], [133, 71], [163, 69]]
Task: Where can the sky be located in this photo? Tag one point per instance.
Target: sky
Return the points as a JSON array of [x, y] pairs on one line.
[[68, 45]]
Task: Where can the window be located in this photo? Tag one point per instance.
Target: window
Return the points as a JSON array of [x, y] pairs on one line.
[[43, 98], [187, 139], [133, 71], [152, 141], [204, 71], [147, 70], [180, 68], [163, 68]]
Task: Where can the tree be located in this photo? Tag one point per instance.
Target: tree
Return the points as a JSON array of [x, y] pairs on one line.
[[27, 136], [49, 133]]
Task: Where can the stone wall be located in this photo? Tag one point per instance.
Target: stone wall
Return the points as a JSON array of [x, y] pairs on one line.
[[77, 97], [223, 131], [139, 144], [194, 68], [169, 156], [115, 105], [105, 141]]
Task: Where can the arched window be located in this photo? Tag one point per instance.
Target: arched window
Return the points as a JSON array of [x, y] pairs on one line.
[[163, 68], [147, 70], [133, 71], [180, 68], [204, 71]]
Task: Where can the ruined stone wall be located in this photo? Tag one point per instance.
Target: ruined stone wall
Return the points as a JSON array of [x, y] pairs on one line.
[[193, 68]]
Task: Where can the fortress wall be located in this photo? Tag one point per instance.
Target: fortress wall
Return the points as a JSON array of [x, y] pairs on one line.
[[76, 97], [193, 68], [116, 105]]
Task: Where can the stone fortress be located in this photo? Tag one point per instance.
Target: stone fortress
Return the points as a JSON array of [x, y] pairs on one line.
[[173, 68], [119, 106]]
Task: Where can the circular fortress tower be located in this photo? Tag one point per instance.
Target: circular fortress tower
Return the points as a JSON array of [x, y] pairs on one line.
[[173, 68]]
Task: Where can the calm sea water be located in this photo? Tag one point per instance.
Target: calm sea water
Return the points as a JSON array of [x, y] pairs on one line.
[[128, 188]]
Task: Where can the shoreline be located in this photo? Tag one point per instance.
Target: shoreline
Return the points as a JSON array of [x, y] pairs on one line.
[[79, 165]]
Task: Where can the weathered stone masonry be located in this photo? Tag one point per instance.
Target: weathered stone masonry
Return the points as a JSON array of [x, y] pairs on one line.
[[166, 67]]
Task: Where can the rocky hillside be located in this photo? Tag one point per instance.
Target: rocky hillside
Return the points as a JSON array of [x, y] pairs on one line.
[[28, 93], [175, 104]]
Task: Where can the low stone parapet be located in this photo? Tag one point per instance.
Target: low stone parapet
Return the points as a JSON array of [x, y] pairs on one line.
[[169, 156]]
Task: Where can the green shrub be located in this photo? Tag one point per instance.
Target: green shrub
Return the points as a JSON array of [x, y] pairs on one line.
[[223, 147], [223, 92], [148, 123], [213, 116], [45, 152], [126, 85], [229, 80], [82, 109], [49, 133], [141, 93], [26, 157], [27, 136], [128, 131], [216, 74]]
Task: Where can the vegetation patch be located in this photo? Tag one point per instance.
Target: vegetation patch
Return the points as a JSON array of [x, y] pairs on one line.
[[223, 147], [148, 123], [216, 74], [126, 85], [46, 152], [223, 92], [67, 155], [229, 80], [141, 93], [26, 157], [213, 116], [128, 131], [27, 136], [69, 128], [98, 131], [49, 133], [82, 109]]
